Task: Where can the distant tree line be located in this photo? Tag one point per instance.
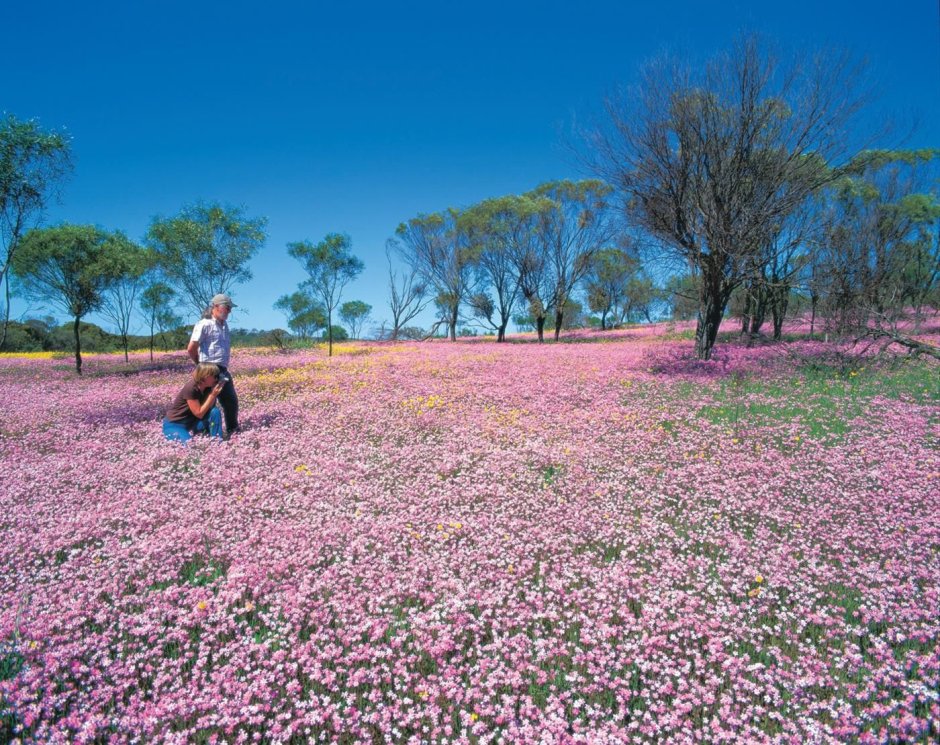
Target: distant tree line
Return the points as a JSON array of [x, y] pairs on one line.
[[728, 187]]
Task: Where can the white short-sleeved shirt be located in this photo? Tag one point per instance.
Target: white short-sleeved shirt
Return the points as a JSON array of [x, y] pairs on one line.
[[214, 343]]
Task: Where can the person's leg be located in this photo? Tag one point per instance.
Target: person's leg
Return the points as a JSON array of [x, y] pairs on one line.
[[215, 423], [228, 400], [175, 431]]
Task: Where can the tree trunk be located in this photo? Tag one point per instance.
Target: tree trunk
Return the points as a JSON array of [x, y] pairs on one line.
[[540, 328], [814, 299], [329, 333], [712, 300], [780, 299], [78, 345], [6, 311], [559, 317], [746, 313], [452, 322], [501, 332]]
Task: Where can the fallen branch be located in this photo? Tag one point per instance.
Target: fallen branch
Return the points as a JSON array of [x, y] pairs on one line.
[[915, 347]]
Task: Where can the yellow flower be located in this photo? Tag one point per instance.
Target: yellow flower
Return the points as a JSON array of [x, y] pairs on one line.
[[759, 578], [511, 569], [202, 605], [423, 694], [474, 716], [754, 593]]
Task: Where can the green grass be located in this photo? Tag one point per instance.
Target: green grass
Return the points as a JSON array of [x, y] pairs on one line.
[[823, 398]]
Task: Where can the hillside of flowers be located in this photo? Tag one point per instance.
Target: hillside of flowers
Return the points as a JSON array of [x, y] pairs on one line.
[[597, 541]]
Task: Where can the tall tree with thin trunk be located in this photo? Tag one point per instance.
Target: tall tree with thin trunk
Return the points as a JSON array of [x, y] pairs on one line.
[[156, 305], [330, 266], [437, 247], [70, 266], [354, 314], [119, 300], [576, 226], [707, 157], [408, 292], [33, 164]]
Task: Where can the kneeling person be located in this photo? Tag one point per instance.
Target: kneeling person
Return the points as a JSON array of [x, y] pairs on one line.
[[193, 410]]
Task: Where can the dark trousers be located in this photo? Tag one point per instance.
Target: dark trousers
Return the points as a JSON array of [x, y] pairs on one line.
[[228, 400]]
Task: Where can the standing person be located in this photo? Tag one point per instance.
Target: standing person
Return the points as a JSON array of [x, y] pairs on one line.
[[193, 410], [211, 342]]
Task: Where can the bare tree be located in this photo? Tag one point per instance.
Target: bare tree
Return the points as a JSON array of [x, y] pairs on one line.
[[708, 157], [408, 292]]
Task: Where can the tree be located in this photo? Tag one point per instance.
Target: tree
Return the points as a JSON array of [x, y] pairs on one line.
[[304, 314], [571, 231], [32, 165], [119, 299], [607, 282], [408, 292], [519, 220], [330, 266], [155, 304], [880, 256], [437, 248], [707, 158], [354, 314], [71, 266], [489, 226], [681, 295], [205, 250]]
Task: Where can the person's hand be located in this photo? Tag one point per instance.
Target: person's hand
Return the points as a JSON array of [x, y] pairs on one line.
[[218, 388]]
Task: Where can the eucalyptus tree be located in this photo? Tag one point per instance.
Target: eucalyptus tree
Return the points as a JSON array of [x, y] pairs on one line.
[[438, 249], [33, 163], [519, 219], [330, 266], [119, 299], [205, 250], [408, 292], [156, 305], [304, 314], [881, 254], [71, 266], [707, 156], [607, 283], [354, 314], [491, 225], [576, 225]]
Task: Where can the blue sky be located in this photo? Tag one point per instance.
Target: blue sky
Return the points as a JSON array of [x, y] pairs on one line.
[[353, 117]]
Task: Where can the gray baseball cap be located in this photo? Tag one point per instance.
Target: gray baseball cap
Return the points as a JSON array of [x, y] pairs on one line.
[[223, 299]]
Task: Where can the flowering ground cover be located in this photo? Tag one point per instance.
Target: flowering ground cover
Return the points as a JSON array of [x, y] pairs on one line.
[[602, 541]]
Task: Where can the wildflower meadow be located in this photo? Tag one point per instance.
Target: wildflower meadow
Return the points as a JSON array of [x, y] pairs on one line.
[[597, 541]]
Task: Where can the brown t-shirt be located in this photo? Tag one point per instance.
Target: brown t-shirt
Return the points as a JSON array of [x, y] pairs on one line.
[[179, 409]]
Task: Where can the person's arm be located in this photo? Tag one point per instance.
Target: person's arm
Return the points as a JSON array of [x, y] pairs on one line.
[[200, 410], [192, 349]]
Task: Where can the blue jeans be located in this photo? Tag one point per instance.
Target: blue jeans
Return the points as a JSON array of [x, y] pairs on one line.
[[211, 425]]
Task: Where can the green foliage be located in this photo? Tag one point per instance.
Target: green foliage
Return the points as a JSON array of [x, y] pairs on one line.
[[32, 163], [354, 314], [304, 314], [330, 266], [205, 249]]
